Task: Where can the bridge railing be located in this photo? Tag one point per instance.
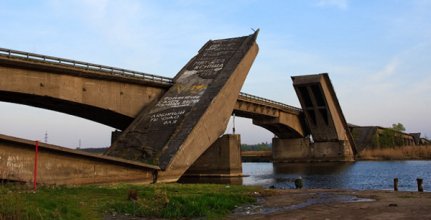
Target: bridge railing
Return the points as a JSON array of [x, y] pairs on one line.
[[268, 101], [118, 71], [84, 65]]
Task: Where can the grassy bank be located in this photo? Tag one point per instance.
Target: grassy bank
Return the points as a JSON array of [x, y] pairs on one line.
[[398, 153], [96, 202]]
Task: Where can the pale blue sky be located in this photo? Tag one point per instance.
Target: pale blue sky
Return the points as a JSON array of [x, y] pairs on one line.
[[376, 52]]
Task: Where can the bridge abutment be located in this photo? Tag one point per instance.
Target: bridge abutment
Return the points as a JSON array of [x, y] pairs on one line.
[[332, 151], [221, 159], [301, 150], [291, 150]]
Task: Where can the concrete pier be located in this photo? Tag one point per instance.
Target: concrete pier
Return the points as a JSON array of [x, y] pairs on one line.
[[325, 119], [221, 159], [290, 150], [301, 150]]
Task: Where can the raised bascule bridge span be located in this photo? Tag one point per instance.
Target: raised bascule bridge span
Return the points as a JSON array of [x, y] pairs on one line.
[[167, 124]]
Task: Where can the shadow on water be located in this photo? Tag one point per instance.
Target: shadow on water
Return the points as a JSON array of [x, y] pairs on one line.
[[306, 169], [283, 175], [315, 175]]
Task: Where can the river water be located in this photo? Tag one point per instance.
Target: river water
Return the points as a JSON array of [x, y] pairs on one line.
[[360, 175]]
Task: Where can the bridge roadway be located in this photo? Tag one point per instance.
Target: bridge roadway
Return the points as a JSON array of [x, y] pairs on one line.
[[114, 96]]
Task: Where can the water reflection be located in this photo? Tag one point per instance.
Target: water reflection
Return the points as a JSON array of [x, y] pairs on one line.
[[311, 168], [315, 175], [356, 175], [361, 175]]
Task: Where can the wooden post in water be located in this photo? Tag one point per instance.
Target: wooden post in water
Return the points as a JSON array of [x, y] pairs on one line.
[[395, 184], [420, 184]]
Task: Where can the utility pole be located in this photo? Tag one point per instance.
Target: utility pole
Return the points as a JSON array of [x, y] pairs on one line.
[[46, 136]]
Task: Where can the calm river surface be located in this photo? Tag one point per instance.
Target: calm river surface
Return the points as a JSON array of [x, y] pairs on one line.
[[359, 175]]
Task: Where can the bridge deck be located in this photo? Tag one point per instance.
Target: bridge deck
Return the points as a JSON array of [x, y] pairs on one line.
[[17, 56], [114, 71]]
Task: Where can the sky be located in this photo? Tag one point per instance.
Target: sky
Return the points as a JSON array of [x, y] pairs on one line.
[[377, 53]]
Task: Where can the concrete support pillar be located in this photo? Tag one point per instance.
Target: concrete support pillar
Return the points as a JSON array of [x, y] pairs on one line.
[[332, 151], [301, 150], [222, 159], [290, 150]]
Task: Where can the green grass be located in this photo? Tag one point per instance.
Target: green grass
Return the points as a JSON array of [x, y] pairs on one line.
[[95, 202]]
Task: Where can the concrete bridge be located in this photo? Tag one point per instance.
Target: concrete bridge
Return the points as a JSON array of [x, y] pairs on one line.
[[163, 125], [113, 96]]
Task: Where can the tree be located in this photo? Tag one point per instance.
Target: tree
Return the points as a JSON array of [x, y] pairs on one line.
[[398, 127]]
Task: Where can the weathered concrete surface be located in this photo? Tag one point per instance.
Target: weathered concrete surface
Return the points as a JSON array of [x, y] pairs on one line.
[[301, 150], [291, 150], [58, 165], [282, 120], [194, 112], [286, 125], [331, 151], [221, 159], [324, 117], [101, 97]]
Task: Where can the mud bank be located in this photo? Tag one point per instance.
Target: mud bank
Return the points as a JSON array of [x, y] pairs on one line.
[[337, 204]]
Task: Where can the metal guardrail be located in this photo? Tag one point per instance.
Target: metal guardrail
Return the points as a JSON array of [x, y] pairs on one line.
[[279, 104], [83, 65], [117, 71]]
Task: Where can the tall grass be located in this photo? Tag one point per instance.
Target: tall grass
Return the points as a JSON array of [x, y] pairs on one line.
[[397, 153], [11, 203]]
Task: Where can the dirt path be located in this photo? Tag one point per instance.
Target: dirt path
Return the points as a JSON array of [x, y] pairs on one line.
[[337, 204]]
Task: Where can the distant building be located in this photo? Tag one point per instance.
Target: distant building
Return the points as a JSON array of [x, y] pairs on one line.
[[380, 137], [417, 137]]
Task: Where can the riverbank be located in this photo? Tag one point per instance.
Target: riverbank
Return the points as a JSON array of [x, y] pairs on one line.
[[397, 153], [337, 204], [207, 201], [123, 201]]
